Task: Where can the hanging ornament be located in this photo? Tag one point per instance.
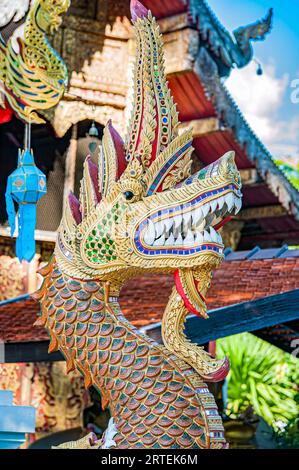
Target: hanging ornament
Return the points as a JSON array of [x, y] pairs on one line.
[[93, 132], [259, 70], [25, 186]]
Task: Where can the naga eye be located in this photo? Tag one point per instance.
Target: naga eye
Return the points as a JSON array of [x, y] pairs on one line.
[[129, 195]]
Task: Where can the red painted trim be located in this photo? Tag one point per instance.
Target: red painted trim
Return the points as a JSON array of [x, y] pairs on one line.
[[223, 222], [181, 292], [5, 115], [212, 348]]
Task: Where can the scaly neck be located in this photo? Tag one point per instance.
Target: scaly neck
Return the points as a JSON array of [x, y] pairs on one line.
[[85, 322]]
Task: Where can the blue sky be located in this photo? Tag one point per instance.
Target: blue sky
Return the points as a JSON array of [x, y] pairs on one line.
[[266, 101]]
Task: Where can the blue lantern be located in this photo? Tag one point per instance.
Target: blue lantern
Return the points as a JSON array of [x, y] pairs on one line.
[[26, 185]]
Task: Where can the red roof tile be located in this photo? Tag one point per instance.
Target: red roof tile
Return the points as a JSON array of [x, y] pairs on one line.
[[144, 299], [16, 322]]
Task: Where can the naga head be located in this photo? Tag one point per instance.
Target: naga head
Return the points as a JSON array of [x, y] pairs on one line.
[[141, 210], [253, 32], [52, 11]]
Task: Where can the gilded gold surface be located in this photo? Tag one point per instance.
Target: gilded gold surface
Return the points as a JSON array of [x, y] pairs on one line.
[[156, 394]]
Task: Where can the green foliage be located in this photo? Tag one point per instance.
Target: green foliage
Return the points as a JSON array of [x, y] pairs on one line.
[[263, 376], [289, 436], [292, 173]]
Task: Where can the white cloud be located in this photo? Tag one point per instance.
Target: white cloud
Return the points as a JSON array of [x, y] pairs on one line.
[[260, 99]]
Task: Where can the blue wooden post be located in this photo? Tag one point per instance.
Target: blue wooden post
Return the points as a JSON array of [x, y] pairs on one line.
[[15, 422]]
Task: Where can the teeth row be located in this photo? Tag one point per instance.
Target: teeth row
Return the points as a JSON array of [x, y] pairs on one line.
[[191, 239], [193, 226]]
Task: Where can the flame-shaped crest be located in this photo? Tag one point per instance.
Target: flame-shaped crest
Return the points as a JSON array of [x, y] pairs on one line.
[[152, 141]]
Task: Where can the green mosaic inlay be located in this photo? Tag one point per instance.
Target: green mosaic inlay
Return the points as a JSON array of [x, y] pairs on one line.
[[100, 247]]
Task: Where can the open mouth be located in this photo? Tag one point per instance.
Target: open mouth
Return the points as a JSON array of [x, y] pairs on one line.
[[189, 228]]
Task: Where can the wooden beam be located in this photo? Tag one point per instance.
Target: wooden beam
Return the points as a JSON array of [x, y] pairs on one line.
[[181, 49], [70, 165], [239, 318], [263, 212], [30, 352], [39, 235], [283, 336], [201, 127], [273, 238], [250, 177], [174, 23]]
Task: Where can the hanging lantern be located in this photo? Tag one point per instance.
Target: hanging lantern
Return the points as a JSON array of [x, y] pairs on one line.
[[25, 186], [93, 132]]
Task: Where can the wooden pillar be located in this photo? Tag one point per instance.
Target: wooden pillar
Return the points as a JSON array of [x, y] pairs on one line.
[[32, 276], [70, 164]]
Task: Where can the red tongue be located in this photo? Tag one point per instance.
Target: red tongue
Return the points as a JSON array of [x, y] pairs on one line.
[[223, 222]]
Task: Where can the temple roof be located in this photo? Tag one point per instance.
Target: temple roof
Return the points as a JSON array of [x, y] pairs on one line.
[[251, 151], [271, 202], [228, 51]]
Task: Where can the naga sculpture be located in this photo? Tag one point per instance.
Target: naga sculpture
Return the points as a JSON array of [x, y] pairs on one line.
[[229, 52], [253, 32], [33, 76], [141, 211]]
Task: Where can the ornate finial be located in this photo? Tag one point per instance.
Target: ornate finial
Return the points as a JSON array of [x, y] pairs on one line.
[[138, 10], [154, 120], [253, 32]]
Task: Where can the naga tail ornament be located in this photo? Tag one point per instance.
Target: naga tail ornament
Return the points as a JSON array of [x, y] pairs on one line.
[[141, 211], [33, 76]]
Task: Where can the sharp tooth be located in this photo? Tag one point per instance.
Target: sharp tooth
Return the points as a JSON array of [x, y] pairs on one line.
[[168, 224], [186, 218], [205, 209], [170, 240], [197, 216], [160, 241], [189, 240], [150, 234], [209, 219], [177, 221], [213, 234], [223, 211], [207, 237], [220, 202], [229, 199], [179, 241], [213, 205], [186, 223], [198, 238], [200, 227], [238, 205], [159, 227]]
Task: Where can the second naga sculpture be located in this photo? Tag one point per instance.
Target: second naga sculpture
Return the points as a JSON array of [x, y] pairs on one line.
[[33, 77], [141, 211]]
